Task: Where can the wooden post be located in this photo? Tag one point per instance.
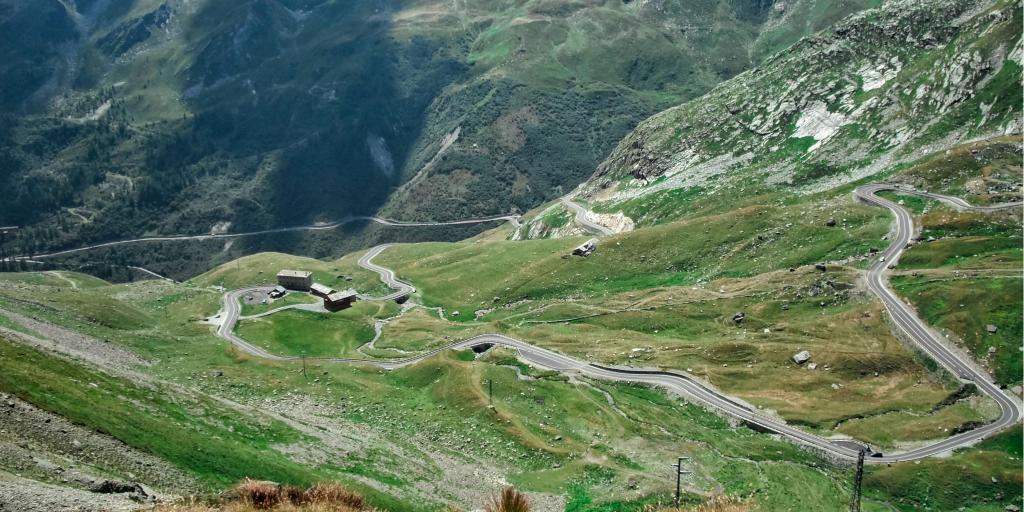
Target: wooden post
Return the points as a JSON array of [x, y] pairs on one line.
[[679, 478]]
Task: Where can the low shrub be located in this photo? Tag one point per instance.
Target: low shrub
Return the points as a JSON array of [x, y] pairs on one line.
[[508, 500]]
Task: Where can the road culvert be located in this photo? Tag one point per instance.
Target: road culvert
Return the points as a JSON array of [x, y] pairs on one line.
[[483, 347]]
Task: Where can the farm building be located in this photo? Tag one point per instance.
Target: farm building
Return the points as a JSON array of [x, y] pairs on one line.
[[295, 279], [340, 300], [278, 292], [321, 290]]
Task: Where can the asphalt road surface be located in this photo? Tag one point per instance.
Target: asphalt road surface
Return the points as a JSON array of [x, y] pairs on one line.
[[402, 289], [686, 386], [583, 222], [924, 337], [312, 227]]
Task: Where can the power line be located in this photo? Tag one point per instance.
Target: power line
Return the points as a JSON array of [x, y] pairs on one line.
[[855, 502]]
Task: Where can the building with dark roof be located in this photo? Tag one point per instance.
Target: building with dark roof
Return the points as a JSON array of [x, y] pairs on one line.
[[340, 300]]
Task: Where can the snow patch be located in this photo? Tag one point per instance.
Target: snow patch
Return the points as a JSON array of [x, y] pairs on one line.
[[1017, 55]]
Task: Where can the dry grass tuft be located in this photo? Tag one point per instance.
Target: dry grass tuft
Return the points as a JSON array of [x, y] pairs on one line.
[[254, 495], [260, 495], [334, 493], [508, 500], [715, 504]]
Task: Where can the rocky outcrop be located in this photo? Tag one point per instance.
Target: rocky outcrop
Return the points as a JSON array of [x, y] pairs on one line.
[[884, 86]]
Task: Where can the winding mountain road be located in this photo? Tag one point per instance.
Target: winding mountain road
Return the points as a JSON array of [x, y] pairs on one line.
[[583, 221], [697, 392], [514, 219], [925, 338], [402, 289]]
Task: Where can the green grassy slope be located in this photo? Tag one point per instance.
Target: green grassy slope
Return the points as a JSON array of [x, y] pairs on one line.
[[546, 434], [298, 333], [738, 243], [985, 478]]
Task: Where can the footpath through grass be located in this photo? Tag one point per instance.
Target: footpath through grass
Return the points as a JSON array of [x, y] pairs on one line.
[[291, 299], [333, 334]]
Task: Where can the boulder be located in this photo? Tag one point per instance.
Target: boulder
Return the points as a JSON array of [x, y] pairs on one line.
[[820, 266], [991, 329], [586, 249], [802, 357], [738, 317], [830, 223], [116, 487]]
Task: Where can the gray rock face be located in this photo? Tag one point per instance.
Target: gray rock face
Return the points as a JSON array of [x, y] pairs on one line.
[[882, 87]]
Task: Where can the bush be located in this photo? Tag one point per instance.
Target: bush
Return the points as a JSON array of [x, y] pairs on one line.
[[251, 495], [259, 494], [717, 503], [334, 493], [508, 500]]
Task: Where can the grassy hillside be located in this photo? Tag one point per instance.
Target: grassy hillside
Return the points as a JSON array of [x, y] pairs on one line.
[[878, 91], [594, 445], [546, 435]]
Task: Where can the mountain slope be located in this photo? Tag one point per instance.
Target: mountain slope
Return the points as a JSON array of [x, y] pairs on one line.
[[174, 116], [881, 88]]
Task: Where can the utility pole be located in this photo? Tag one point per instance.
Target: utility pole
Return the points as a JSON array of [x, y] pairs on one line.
[[304, 365], [680, 471], [855, 502], [490, 391]]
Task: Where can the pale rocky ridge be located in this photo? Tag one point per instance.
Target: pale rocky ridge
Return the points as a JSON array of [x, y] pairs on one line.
[[883, 87]]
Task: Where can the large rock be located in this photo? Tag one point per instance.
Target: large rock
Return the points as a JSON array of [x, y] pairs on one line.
[[586, 249], [116, 487], [802, 357]]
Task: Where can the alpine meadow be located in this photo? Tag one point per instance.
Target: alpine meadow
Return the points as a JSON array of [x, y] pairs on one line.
[[511, 255]]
